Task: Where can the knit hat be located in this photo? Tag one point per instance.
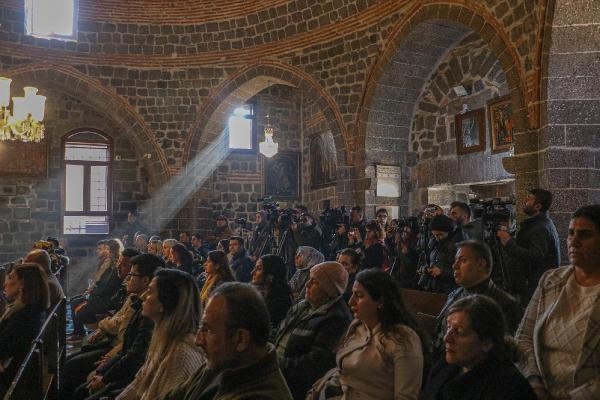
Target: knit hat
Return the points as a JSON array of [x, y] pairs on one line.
[[441, 223], [331, 276]]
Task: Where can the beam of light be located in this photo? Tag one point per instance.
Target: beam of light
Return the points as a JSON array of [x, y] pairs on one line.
[[169, 199]]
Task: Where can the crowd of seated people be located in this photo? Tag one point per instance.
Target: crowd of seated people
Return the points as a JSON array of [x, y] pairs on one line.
[[331, 329]]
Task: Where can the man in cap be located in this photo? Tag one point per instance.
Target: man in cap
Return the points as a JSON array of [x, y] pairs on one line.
[[309, 334]]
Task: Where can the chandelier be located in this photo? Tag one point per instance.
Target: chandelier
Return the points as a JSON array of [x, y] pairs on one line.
[[268, 148], [25, 122]]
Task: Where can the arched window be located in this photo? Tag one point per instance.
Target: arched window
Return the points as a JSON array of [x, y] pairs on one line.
[[87, 184]]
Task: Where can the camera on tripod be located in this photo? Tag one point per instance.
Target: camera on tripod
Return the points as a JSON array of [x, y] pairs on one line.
[[331, 217], [495, 214]]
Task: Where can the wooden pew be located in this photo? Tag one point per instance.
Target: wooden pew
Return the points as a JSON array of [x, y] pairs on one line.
[[426, 306]]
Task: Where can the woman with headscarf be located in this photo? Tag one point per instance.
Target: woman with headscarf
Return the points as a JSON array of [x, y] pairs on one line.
[[306, 258]]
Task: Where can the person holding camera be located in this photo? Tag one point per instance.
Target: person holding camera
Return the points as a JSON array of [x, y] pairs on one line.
[[307, 232], [536, 247], [438, 275], [339, 241], [262, 237]]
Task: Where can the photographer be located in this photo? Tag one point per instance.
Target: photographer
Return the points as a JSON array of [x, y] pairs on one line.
[[284, 237], [438, 276], [262, 237], [307, 232], [536, 247], [220, 232], [338, 243], [357, 220], [404, 267]]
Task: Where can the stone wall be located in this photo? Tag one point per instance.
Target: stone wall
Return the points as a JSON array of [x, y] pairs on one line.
[[31, 207], [570, 139], [165, 76], [434, 159]]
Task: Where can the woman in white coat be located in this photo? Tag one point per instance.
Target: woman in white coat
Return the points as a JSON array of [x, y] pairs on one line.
[[382, 354]]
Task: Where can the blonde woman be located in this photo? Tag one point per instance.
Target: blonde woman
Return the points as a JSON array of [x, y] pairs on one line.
[[173, 304], [155, 246], [167, 244]]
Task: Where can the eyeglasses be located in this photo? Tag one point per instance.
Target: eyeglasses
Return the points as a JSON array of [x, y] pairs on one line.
[[132, 274]]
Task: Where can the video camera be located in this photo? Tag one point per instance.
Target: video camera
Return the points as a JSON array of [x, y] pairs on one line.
[[280, 217], [331, 217], [492, 213]]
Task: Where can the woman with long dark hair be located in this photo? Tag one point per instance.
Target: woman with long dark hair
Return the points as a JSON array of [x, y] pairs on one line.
[[26, 287], [269, 277], [382, 355], [216, 271], [182, 258]]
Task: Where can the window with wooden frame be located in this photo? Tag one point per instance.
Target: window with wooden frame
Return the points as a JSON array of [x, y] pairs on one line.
[[87, 183]]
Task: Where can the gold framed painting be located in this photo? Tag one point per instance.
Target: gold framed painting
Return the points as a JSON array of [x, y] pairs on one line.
[[501, 124]]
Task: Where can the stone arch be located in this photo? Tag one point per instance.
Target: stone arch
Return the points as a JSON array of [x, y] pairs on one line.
[[446, 25], [74, 83], [247, 82]]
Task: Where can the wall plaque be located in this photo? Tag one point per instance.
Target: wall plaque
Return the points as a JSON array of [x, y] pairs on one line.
[[389, 178]]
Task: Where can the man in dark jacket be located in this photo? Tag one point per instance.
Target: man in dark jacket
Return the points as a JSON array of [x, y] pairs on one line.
[[118, 371], [437, 277], [307, 232], [536, 247], [241, 264], [241, 364], [472, 269], [309, 334]]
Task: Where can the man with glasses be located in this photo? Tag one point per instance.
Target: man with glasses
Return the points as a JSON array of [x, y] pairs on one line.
[[108, 335], [118, 367], [240, 362]]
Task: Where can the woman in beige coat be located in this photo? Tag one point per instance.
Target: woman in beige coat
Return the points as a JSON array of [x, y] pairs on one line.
[[382, 354]]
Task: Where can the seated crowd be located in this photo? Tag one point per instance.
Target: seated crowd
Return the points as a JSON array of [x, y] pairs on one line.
[[211, 319]]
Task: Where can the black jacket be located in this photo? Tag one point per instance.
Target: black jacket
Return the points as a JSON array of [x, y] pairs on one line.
[[102, 298], [508, 304], [491, 380], [313, 338], [242, 266], [17, 332], [122, 368], [535, 250]]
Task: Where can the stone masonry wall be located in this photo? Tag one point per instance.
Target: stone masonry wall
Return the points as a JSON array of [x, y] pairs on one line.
[[432, 138]]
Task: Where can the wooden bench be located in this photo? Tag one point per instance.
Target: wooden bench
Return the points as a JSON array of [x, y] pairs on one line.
[[426, 305]]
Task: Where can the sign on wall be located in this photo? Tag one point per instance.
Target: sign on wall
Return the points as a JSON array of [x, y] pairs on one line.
[[389, 178], [24, 159]]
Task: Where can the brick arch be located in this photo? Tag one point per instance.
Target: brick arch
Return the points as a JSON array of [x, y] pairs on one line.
[[103, 99], [247, 82], [469, 17]]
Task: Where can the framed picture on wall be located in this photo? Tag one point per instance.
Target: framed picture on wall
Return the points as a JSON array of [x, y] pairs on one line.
[[470, 131], [501, 124], [323, 160], [282, 176]]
